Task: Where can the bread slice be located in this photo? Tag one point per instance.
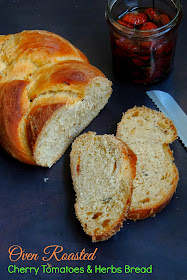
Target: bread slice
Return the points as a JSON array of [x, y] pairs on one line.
[[102, 169], [148, 133]]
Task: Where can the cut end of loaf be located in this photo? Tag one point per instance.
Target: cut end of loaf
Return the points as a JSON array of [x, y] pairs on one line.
[[102, 176], [68, 121]]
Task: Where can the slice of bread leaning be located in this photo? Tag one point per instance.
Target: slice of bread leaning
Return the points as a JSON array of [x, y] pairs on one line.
[[102, 169], [148, 133]]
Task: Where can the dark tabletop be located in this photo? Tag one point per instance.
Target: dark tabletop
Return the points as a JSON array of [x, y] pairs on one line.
[[35, 213]]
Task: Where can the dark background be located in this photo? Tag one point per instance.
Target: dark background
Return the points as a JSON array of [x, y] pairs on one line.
[[34, 214]]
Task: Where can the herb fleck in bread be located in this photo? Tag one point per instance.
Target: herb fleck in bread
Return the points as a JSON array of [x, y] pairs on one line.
[[102, 169], [148, 133]]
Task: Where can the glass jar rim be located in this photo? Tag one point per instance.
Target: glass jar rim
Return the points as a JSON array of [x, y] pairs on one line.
[[142, 33]]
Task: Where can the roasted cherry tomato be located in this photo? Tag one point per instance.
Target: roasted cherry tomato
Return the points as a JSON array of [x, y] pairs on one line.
[[148, 26], [125, 24], [126, 45], [147, 47], [138, 62], [151, 13], [164, 19], [135, 18]]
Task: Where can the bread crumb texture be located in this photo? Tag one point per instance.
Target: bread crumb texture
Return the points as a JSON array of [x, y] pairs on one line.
[[148, 133], [102, 169]]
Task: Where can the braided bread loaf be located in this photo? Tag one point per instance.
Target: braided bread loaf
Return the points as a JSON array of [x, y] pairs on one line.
[[48, 94]]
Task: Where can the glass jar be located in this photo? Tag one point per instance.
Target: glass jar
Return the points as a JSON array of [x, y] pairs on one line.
[[143, 56]]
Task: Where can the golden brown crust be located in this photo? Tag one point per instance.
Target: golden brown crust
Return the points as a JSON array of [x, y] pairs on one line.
[[14, 104], [40, 47], [37, 118], [111, 232], [4, 38], [129, 155], [67, 75]]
